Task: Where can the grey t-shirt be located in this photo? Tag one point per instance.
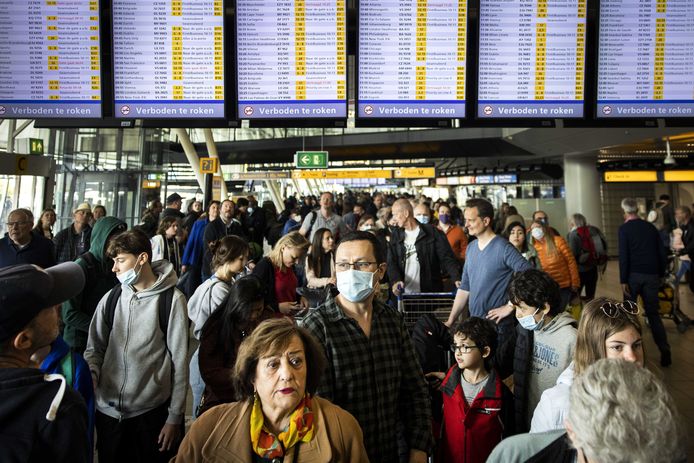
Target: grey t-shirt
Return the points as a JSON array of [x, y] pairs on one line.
[[471, 390], [487, 272], [334, 223]]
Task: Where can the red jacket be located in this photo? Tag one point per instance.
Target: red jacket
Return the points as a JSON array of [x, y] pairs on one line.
[[470, 432]]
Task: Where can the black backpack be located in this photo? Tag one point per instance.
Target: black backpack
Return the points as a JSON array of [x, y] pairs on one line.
[[165, 304]]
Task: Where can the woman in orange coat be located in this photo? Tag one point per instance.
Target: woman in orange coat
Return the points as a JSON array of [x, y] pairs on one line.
[[454, 234], [556, 259]]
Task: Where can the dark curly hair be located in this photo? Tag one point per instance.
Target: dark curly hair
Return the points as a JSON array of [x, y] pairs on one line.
[[482, 332], [535, 288]]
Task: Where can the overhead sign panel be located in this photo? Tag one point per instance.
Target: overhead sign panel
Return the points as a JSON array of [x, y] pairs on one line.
[[168, 59], [415, 172], [531, 59], [318, 174], [311, 159], [291, 59], [645, 59], [678, 175], [273, 175], [50, 59], [412, 59], [632, 176], [209, 165]]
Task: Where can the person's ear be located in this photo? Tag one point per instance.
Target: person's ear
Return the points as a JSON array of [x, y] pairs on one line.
[[546, 308], [486, 351], [22, 341]]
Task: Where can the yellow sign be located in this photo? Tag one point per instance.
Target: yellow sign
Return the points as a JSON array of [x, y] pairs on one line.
[[632, 176], [318, 174], [151, 184], [678, 175], [209, 165], [415, 172]]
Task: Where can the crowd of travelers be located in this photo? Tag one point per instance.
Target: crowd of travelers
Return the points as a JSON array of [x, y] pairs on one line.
[[299, 351]]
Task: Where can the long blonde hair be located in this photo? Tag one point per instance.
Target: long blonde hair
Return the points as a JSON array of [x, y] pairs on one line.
[[549, 238], [290, 240]]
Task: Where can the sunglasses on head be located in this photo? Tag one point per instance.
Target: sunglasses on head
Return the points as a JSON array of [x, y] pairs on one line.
[[611, 309]]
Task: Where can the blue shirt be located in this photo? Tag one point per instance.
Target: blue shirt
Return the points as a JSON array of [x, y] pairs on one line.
[[195, 247], [486, 274]]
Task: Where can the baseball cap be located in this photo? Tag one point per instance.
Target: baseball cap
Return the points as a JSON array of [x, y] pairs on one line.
[[83, 207], [25, 290], [173, 197]]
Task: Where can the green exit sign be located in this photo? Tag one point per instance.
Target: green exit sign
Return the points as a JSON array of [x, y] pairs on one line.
[[35, 146], [311, 159]]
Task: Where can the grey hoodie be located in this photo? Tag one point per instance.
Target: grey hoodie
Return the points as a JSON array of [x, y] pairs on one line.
[[133, 370], [553, 348]]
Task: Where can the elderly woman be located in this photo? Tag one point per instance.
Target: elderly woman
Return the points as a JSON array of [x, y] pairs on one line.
[[276, 373]]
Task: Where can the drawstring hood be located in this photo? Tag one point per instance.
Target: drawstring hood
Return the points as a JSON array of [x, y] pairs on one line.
[[55, 404]]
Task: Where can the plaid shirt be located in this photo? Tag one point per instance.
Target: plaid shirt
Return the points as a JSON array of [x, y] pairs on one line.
[[377, 378]]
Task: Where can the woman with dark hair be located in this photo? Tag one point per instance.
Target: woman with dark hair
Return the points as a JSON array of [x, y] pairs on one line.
[[44, 226], [229, 257], [165, 245], [222, 335], [277, 417], [515, 234], [320, 260]]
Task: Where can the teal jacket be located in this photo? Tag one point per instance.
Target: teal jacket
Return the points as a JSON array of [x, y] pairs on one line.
[[78, 311]]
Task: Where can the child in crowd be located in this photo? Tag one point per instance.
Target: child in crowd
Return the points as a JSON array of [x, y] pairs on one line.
[[477, 405]]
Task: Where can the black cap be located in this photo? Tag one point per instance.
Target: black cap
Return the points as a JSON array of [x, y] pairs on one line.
[[25, 290], [173, 197]]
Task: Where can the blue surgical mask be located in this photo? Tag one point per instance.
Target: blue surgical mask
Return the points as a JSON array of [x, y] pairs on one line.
[[422, 218], [528, 322], [355, 285], [130, 277], [444, 218]]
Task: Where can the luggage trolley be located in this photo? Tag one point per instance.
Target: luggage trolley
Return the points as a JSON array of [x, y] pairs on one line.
[[669, 297], [414, 305]]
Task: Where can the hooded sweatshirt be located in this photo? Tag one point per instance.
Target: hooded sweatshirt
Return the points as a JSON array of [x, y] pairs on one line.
[[136, 368], [40, 419], [554, 404], [78, 311], [553, 348]]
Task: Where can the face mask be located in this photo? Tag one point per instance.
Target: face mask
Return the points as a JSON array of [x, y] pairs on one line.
[[422, 218], [250, 210], [537, 233], [367, 228], [296, 218], [129, 277], [444, 218], [355, 285], [528, 322]]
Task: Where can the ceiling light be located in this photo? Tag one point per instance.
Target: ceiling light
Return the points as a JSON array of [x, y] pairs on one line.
[[669, 159]]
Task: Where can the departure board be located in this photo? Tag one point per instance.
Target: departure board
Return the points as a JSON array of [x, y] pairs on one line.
[[291, 59], [50, 59], [168, 58], [531, 58], [646, 59], [411, 58]]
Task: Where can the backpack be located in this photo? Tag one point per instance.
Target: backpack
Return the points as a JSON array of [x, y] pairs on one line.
[[593, 248], [165, 305]]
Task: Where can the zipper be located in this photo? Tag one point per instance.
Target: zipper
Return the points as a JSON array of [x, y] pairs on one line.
[[125, 363]]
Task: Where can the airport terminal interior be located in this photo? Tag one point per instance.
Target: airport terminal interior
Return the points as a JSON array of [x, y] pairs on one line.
[[434, 102]]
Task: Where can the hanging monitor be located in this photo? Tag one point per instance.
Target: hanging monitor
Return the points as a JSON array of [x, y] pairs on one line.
[[646, 59], [531, 59], [411, 59], [50, 59], [291, 59], [168, 59]]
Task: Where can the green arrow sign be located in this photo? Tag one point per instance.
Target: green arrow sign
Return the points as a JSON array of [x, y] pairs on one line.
[[35, 146], [311, 159]]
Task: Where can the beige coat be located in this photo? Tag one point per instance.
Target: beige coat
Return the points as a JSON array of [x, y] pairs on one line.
[[222, 434]]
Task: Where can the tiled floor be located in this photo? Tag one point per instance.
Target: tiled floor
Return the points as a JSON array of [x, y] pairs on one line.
[[679, 377]]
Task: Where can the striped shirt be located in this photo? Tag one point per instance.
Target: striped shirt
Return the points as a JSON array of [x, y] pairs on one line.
[[377, 378]]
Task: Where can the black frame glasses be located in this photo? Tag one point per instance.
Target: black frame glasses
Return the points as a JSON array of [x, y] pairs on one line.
[[464, 349], [612, 309]]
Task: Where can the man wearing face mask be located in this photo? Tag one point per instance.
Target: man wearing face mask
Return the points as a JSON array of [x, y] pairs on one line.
[[417, 254], [543, 218], [374, 373], [137, 352], [541, 347]]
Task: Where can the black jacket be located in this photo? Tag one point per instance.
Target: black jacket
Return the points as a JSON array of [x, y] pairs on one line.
[[688, 239], [26, 432], [66, 243], [40, 251], [214, 231], [171, 212], [265, 271], [514, 358], [434, 255]]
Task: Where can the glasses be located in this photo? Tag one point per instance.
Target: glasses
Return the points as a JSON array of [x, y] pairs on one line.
[[464, 349], [611, 309], [16, 224], [361, 266]]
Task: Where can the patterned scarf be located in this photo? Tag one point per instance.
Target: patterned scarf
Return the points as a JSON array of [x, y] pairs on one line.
[[267, 445]]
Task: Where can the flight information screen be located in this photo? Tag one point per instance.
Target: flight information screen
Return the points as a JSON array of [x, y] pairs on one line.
[[531, 58], [291, 59], [50, 63], [411, 59], [168, 58], [646, 58]]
